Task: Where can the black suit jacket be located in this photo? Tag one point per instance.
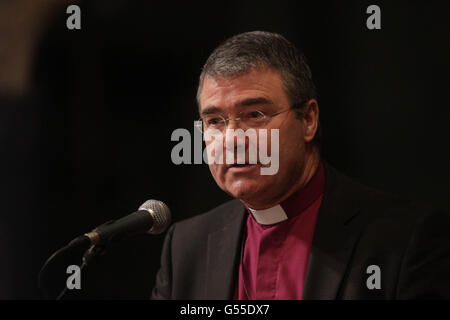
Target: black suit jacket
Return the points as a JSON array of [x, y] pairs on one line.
[[356, 227]]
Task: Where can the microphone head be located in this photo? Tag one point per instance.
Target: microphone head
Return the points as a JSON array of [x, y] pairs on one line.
[[160, 213]]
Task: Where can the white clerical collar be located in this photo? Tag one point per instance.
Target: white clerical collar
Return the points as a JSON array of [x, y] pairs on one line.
[[269, 216]]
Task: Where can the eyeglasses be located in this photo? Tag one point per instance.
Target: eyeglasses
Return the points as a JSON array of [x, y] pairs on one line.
[[249, 118]]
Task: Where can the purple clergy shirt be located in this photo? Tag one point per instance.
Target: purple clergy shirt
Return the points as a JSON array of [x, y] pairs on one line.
[[275, 256]]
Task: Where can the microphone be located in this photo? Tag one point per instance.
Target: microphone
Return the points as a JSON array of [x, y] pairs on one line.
[[152, 217]]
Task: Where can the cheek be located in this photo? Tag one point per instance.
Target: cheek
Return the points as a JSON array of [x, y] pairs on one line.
[[214, 170], [291, 147]]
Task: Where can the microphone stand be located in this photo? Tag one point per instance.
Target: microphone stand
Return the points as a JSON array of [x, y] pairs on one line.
[[88, 256]]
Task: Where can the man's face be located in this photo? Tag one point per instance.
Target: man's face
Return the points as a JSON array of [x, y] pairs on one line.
[[260, 89]]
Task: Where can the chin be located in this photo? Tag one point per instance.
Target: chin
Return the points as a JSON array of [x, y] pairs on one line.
[[244, 189]]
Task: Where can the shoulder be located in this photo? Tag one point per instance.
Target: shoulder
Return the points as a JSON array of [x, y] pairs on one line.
[[378, 209], [348, 194], [383, 215]]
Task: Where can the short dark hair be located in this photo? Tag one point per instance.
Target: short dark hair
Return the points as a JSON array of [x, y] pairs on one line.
[[244, 52]]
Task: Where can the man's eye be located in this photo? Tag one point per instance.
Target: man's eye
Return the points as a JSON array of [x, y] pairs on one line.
[[255, 115], [213, 121]]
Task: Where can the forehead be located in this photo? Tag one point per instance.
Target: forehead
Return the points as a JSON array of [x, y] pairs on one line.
[[228, 92]]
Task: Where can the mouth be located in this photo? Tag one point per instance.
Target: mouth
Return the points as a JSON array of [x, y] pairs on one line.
[[241, 167], [238, 165]]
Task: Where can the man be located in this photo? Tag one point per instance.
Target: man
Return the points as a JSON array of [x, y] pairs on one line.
[[307, 231]]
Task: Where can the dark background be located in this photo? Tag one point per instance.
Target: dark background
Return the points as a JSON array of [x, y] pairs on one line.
[[89, 139]]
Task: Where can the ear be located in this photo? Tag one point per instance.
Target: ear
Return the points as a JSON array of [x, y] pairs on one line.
[[310, 119]]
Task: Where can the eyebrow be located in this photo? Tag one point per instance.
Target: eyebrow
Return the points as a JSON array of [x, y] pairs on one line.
[[253, 101], [210, 110], [243, 103]]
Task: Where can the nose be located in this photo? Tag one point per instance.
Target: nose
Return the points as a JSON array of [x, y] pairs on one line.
[[234, 124], [235, 148]]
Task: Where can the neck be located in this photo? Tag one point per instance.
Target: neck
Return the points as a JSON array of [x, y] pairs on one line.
[[309, 168]]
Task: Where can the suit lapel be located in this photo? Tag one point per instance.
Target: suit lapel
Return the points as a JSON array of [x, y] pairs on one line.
[[223, 256], [337, 229], [335, 236]]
